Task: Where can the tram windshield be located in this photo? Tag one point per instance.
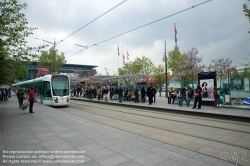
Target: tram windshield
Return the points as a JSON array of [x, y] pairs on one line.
[[60, 85]]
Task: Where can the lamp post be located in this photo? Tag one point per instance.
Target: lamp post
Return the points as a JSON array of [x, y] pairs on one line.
[[106, 70], [166, 72]]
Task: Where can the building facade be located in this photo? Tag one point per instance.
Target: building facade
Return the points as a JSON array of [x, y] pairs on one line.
[[72, 70]]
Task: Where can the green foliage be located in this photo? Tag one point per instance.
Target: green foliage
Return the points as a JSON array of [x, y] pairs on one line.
[[245, 73], [173, 58], [246, 10], [184, 66], [13, 32], [51, 60], [235, 74], [160, 77], [139, 66]]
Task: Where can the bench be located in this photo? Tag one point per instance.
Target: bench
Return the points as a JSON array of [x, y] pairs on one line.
[[237, 101]]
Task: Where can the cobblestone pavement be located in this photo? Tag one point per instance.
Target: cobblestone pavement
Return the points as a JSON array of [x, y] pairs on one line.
[[106, 140]]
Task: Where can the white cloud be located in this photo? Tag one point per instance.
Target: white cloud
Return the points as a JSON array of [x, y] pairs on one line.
[[217, 29]]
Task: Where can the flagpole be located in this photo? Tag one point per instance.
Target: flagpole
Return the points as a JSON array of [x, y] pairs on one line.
[[118, 61], [122, 56]]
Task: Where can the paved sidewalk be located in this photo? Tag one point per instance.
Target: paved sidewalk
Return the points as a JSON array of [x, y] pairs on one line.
[[162, 104], [49, 129]]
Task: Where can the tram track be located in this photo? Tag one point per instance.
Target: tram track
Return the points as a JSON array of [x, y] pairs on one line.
[[104, 117], [202, 121]]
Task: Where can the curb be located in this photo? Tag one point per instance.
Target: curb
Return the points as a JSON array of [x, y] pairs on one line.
[[174, 111]]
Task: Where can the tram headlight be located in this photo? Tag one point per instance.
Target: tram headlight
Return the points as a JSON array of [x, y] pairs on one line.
[[67, 99], [56, 99]]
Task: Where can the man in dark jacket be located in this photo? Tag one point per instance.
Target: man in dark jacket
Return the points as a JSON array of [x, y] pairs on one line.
[[120, 94], [150, 94], [154, 93], [143, 93], [136, 95]]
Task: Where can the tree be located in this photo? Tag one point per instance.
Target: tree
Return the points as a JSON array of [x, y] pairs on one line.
[[221, 67], [247, 12], [245, 73], [13, 31], [139, 66], [235, 74], [187, 65], [51, 60], [159, 75], [173, 58]]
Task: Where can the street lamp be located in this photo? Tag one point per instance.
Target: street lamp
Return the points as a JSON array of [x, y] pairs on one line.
[[106, 70]]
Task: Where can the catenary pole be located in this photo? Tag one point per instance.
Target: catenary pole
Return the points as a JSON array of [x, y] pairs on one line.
[[166, 73]]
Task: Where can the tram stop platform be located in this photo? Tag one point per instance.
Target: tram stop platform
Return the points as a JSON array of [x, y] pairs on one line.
[[49, 135], [161, 104]]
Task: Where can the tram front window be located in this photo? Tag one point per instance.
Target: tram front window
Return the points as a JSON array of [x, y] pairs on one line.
[[60, 85]]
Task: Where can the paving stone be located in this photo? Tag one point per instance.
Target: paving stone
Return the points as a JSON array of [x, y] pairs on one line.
[[170, 163], [212, 160], [95, 154], [111, 160], [150, 159], [89, 163], [80, 143], [121, 147], [178, 150], [91, 147], [110, 142], [53, 142], [129, 163], [134, 153]]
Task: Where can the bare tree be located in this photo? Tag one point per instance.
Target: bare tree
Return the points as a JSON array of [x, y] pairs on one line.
[[221, 67], [188, 66]]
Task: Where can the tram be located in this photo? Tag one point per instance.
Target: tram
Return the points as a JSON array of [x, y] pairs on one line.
[[51, 90]]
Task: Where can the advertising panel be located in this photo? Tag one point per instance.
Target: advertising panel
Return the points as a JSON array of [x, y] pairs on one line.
[[42, 72], [246, 84], [207, 86]]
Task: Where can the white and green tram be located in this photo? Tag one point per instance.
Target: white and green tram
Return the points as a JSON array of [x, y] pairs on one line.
[[52, 90]]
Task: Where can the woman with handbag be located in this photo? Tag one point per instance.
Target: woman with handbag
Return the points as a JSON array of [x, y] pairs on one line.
[[198, 97]]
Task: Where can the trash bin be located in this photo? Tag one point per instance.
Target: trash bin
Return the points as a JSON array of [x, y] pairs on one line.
[[227, 99]]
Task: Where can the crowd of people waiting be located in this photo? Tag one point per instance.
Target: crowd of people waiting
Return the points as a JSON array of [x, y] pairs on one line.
[[141, 94], [111, 93], [5, 93]]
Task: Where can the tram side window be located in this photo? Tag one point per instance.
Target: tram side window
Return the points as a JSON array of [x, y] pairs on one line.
[[46, 89]]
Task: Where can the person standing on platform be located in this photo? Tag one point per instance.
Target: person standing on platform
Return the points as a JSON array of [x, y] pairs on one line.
[[190, 95], [150, 94], [32, 99], [169, 96], [136, 93], [198, 97], [99, 93], [154, 93], [143, 93], [183, 96], [120, 94], [20, 96], [216, 97]]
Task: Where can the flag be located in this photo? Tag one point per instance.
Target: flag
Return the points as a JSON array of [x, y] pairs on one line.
[[123, 57], [175, 33], [127, 55], [118, 51]]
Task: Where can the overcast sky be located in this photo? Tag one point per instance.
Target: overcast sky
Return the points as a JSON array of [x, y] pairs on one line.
[[218, 29]]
